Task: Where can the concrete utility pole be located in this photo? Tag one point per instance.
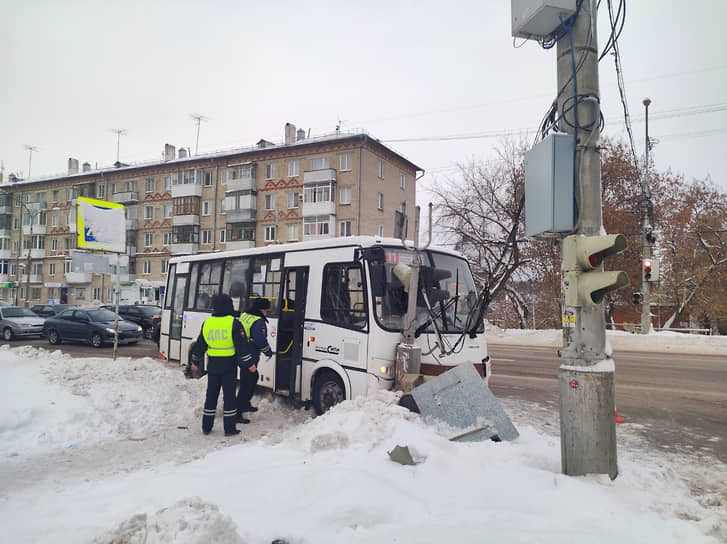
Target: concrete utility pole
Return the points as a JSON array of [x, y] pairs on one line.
[[119, 132], [645, 231], [198, 118], [30, 149], [586, 379]]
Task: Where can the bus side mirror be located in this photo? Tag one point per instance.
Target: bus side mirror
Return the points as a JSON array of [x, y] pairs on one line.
[[378, 279]]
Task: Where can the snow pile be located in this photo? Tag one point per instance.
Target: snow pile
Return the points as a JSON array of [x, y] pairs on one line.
[[140, 470]]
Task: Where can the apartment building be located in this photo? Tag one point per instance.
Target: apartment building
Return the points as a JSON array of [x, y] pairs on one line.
[[303, 188]]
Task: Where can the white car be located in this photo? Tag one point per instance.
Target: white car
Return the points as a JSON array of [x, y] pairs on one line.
[[18, 321]]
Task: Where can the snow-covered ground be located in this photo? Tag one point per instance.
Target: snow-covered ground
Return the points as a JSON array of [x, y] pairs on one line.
[[96, 450]]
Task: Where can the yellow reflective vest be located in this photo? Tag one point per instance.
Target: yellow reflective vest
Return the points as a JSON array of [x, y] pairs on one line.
[[217, 333], [247, 321]]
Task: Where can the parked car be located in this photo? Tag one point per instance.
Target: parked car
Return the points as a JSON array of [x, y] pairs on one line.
[[18, 321], [146, 315], [3, 303], [92, 325], [50, 310]]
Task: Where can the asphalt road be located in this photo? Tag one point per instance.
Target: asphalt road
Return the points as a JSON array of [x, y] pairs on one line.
[[680, 400]]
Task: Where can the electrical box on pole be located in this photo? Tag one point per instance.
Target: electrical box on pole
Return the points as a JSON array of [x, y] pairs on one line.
[[538, 19], [549, 195]]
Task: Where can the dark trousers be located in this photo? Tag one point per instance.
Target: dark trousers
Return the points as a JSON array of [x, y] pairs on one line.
[[248, 382], [215, 381]]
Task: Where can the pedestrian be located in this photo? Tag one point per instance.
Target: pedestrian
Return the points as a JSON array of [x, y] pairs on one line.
[[221, 338], [254, 325]]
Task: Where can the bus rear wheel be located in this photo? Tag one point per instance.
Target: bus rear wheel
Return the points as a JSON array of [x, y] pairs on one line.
[[328, 390]]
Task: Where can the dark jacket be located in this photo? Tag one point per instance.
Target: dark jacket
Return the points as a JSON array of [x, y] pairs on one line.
[[257, 337]]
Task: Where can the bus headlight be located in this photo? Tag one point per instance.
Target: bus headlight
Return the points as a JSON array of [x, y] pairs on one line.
[[387, 370]]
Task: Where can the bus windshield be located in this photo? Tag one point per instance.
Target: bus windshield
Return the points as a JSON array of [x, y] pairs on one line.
[[449, 298]]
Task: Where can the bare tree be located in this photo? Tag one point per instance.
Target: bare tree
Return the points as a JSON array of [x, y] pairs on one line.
[[481, 215]]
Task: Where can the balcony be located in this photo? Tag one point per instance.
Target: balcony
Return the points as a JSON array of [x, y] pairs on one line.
[[132, 224], [127, 197], [5, 254], [5, 208], [72, 228], [131, 251], [240, 244], [184, 220], [185, 249], [76, 278], [35, 229], [33, 278], [5, 233], [319, 208], [37, 253], [5, 278], [241, 184], [186, 189], [319, 176]]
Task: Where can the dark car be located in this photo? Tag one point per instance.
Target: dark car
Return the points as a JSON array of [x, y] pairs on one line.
[[146, 315], [50, 310], [93, 325]]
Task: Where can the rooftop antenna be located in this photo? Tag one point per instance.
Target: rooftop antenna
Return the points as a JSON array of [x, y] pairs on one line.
[[30, 149], [118, 132], [199, 118], [339, 126]]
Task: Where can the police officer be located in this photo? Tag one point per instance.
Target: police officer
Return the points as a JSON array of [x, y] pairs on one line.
[[221, 337], [253, 322]]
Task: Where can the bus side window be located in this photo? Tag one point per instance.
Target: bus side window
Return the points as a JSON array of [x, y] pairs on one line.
[[343, 301]]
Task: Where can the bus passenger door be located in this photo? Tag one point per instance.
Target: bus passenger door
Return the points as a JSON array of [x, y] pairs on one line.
[[176, 317], [289, 346]]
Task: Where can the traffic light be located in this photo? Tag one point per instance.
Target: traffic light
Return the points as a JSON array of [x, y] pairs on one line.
[[647, 269], [585, 281], [636, 298]]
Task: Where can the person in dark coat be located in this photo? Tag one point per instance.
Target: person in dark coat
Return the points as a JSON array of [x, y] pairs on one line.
[[222, 339], [254, 325]]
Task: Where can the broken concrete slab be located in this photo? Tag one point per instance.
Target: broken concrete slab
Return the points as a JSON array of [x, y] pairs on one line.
[[461, 398]]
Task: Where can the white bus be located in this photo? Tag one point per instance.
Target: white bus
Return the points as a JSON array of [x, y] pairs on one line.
[[337, 312]]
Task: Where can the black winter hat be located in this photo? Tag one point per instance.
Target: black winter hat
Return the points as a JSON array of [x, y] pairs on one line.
[[260, 304], [222, 305]]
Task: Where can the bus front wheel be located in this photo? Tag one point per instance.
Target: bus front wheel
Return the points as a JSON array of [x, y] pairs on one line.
[[328, 390]]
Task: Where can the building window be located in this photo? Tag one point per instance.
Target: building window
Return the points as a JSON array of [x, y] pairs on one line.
[[208, 178], [100, 190], [269, 171], [345, 195], [222, 207], [148, 239], [16, 246], [292, 232], [344, 228], [223, 236], [167, 183], [37, 269], [319, 163], [113, 189], [54, 195], [16, 223], [270, 233], [380, 230], [269, 202], [381, 169], [316, 225], [67, 266], [293, 168], [96, 293], [166, 238], [131, 186], [345, 162], [149, 185], [35, 293], [380, 201], [69, 193], [206, 236], [167, 211], [165, 266], [402, 181], [206, 206], [293, 200], [51, 294], [187, 205], [51, 269], [54, 220], [54, 244], [110, 293], [147, 267], [148, 212]]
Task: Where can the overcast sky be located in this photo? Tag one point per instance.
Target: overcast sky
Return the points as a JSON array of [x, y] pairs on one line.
[[74, 70]]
